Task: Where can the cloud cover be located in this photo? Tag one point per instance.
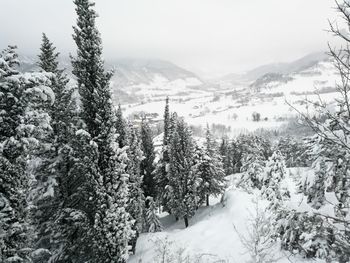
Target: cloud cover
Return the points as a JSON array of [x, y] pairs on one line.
[[212, 36]]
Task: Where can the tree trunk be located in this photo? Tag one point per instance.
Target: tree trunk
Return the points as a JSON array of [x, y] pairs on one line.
[[186, 221], [176, 218], [207, 200]]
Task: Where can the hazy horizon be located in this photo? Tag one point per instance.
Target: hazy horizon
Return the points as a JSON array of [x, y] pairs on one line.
[[204, 36]]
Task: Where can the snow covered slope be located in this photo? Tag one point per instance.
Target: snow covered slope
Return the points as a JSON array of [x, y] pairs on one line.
[[211, 234]]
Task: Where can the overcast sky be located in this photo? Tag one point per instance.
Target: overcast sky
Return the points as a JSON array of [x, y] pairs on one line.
[[214, 36]]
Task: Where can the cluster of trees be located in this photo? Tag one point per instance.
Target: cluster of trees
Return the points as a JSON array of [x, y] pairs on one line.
[[187, 173], [236, 153], [78, 182], [71, 168], [256, 116]]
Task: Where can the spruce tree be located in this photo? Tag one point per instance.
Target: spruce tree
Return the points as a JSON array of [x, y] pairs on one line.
[[272, 180], [48, 56], [147, 164], [24, 123], [226, 156], [152, 219], [252, 169], [210, 170], [111, 216], [136, 205], [51, 170], [317, 189], [166, 122], [12, 164], [162, 167], [121, 128], [183, 181], [81, 196]]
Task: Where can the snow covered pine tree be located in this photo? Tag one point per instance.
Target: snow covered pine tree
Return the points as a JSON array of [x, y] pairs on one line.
[[112, 223], [210, 170], [24, 123], [183, 181]]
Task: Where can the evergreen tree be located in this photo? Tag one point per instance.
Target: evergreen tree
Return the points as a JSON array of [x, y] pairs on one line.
[[153, 223], [147, 166], [81, 196], [49, 173], [24, 122], [166, 123], [111, 216], [136, 205], [48, 57], [226, 156], [253, 168], [292, 151], [12, 164], [210, 171], [161, 172], [273, 187], [183, 181], [121, 128]]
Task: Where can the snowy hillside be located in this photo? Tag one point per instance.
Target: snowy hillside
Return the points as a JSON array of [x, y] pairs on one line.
[[211, 235]]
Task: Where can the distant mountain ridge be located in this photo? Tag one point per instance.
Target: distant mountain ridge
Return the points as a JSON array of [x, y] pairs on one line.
[[142, 71], [132, 78], [144, 80], [282, 68], [288, 68]]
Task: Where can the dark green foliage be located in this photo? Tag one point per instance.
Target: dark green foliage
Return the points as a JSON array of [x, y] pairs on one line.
[[293, 151], [183, 181], [136, 203], [236, 152], [152, 220], [309, 234], [24, 123], [48, 57], [49, 173], [209, 170], [161, 173], [147, 166], [166, 123], [80, 189], [121, 128], [226, 153], [111, 227]]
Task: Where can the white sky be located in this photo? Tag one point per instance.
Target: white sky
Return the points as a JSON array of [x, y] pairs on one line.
[[214, 36]]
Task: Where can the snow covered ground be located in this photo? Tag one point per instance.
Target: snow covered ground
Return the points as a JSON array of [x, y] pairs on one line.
[[211, 234]]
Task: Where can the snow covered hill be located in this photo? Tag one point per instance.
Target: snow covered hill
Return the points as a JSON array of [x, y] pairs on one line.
[[139, 80], [211, 235]]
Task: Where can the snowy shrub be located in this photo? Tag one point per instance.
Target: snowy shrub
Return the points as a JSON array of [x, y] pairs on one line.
[[259, 241], [252, 169], [152, 219], [273, 184], [308, 234]]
